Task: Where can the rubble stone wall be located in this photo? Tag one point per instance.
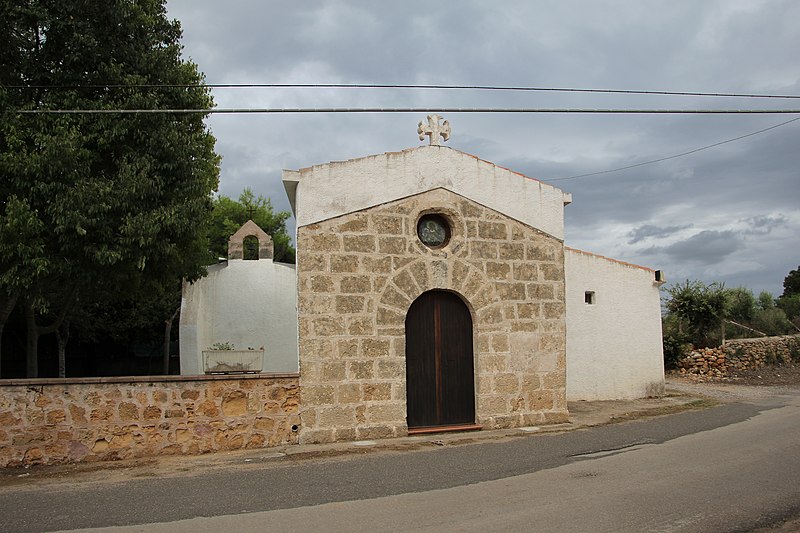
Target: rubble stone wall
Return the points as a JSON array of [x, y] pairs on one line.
[[50, 421], [742, 354], [357, 277]]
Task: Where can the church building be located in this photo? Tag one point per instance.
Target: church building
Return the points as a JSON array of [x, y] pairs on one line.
[[434, 292]]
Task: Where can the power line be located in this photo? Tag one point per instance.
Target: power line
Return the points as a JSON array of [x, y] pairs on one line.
[[298, 110], [406, 87], [674, 156]]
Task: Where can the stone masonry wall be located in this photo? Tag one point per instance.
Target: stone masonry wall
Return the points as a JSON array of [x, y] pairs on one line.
[[741, 354], [359, 273], [95, 419]]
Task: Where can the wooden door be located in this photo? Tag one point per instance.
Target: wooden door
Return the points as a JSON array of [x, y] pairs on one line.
[[439, 367]]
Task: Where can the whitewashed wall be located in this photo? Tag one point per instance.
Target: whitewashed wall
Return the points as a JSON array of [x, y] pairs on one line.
[[325, 191], [614, 345], [247, 303]]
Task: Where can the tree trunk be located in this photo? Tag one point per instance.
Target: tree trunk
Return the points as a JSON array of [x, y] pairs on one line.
[[35, 331], [62, 335], [7, 304], [32, 343], [167, 333]]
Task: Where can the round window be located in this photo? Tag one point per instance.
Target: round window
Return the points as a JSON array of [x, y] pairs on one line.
[[433, 231]]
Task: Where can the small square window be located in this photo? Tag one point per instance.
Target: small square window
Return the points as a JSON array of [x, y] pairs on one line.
[[588, 297]]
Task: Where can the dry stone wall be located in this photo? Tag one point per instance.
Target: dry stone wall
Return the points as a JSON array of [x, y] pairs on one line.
[[58, 421], [357, 277], [742, 354]]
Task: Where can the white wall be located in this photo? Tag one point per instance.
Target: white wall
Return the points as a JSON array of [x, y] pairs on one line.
[[247, 303], [614, 345], [325, 191]]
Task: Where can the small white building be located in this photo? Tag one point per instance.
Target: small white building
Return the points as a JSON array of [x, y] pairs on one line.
[[245, 306], [403, 256]]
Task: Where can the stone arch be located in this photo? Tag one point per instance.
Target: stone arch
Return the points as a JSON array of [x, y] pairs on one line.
[[425, 274], [249, 229]]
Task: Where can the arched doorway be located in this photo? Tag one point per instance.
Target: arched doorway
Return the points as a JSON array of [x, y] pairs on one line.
[[440, 389]]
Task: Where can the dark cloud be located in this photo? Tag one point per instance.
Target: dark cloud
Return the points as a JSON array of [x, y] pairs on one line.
[[707, 247], [648, 230], [763, 224]]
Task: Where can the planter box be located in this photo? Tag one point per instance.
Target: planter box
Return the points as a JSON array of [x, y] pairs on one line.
[[232, 361]]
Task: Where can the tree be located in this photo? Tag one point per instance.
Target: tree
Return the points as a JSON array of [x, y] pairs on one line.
[[116, 205], [791, 283], [700, 308], [229, 215]]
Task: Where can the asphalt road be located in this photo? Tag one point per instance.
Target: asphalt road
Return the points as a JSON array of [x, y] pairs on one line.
[[735, 467]]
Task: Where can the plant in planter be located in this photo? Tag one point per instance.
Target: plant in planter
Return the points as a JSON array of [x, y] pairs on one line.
[[224, 358]]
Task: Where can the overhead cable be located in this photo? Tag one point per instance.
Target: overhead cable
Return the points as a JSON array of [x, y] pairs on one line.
[[673, 156], [405, 87], [298, 110]]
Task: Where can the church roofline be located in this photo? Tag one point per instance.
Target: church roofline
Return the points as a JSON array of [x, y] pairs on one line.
[[609, 259], [291, 178]]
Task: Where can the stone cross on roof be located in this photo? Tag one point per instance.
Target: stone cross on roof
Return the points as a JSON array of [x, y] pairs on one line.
[[433, 130]]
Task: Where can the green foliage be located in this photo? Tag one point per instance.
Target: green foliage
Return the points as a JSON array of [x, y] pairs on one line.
[[676, 344], [791, 283], [740, 304], [228, 215], [106, 207], [700, 309], [765, 301], [772, 322], [790, 306]]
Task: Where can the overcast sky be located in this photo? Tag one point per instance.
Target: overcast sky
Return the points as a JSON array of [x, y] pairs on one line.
[[729, 214]]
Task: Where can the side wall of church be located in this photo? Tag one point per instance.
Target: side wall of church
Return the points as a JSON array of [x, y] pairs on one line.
[[357, 277], [613, 343]]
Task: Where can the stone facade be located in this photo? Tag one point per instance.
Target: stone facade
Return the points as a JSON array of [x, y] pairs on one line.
[[93, 419], [357, 277]]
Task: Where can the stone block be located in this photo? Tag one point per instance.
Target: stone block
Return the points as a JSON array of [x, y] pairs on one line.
[[355, 284], [317, 394], [392, 245], [348, 304], [492, 230], [348, 393], [234, 404], [328, 326], [483, 250], [339, 416], [510, 291], [333, 371], [372, 348], [405, 282], [361, 370], [359, 243], [128, 411], [538, 252], [552, 272], [318, 243], [347, 348], [387, 225], [512, 251], [374, 432], [526, 272], [322, 283], [344, 263], [361, 326], [506, 384], [377, 264], [377, 392], [498, 271], [357, 223], [385, 414], [394, 298]]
